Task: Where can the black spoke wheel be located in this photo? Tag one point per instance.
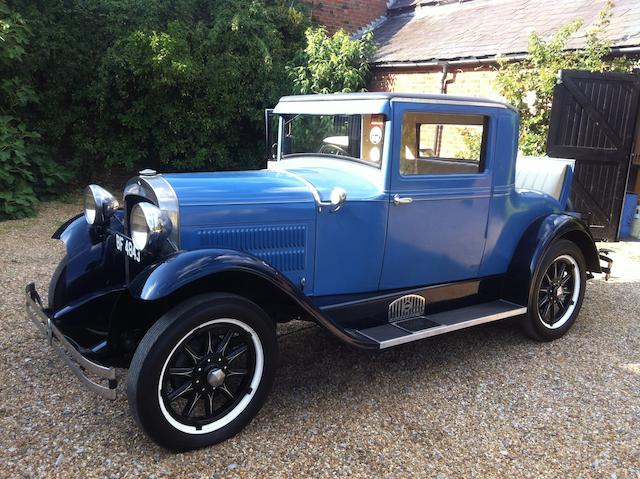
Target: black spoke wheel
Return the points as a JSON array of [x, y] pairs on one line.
[[209, 373], [558, 289], [556, 292], [203, 371]]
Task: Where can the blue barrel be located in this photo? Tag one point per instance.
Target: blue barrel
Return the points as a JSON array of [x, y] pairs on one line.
[[628, 212]]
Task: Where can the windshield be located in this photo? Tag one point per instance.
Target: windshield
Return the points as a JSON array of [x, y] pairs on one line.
[[351, 137]]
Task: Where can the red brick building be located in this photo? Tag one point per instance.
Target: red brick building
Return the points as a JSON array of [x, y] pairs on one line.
[[350, 15], [451, 46]]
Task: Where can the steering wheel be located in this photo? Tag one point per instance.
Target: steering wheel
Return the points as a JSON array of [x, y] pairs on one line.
[[331, 149]]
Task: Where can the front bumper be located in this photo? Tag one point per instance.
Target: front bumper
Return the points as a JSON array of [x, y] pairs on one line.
[[79, 365]]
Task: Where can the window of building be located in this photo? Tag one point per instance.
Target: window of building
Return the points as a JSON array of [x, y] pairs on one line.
[[442, 144]]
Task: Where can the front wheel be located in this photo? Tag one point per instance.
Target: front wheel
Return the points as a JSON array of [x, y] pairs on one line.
[[202, 371], [556, 292]]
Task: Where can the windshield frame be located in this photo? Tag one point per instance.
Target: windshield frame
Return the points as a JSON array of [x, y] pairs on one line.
[[282, 123]]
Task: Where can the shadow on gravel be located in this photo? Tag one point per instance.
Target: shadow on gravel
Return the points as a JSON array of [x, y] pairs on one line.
[[315, 366]]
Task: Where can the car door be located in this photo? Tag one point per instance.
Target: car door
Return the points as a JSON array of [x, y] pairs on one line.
[[439, 194]]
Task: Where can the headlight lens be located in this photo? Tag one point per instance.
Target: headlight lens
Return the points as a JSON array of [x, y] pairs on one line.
[[99, 204], [148, 225], [89, 206]]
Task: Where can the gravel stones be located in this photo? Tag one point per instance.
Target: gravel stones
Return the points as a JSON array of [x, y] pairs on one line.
[[485, 402]]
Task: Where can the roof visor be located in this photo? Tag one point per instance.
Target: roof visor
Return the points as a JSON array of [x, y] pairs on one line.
[[337, 106]]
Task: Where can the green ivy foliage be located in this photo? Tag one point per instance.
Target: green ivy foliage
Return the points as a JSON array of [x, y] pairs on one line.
[[332, 64], [528, 85], [125, 84]]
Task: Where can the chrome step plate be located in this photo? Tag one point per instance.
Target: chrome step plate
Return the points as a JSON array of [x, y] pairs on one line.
[[413, 329]]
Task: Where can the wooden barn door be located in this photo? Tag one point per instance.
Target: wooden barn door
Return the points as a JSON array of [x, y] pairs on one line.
[[593, 120]]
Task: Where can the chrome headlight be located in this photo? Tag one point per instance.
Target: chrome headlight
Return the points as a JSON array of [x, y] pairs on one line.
[[99, 204], [148, 225]]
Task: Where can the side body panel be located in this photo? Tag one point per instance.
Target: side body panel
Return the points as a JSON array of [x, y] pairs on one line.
[[511, 211], [439, 236], [350, 240]]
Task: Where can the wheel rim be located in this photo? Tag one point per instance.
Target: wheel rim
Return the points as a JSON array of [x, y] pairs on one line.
[[559, 292], [210, 376]]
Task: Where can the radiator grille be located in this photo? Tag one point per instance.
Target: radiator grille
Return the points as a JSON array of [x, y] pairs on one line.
[[283, 247]]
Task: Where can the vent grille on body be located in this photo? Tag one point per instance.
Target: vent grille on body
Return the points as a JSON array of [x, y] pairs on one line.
[[283, 247]]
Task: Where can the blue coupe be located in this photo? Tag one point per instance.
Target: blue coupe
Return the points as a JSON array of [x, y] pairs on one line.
[[384, 218]]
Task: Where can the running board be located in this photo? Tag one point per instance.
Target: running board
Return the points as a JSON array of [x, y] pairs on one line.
[[420, 327]]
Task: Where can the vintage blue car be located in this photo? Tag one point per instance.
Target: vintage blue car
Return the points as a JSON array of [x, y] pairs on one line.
[[384, 218]]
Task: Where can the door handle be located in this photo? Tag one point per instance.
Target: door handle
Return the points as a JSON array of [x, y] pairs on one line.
[[398, 200]]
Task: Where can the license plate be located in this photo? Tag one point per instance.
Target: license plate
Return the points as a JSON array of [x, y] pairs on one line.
[[125, 245]]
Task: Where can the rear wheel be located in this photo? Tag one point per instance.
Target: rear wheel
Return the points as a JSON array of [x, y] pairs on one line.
[[203, 371], [557, 292]]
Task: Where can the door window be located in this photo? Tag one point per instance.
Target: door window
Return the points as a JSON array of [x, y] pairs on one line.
[[442, 144]]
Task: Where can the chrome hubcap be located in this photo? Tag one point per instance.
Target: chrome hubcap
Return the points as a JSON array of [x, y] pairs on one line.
[[215, 377]]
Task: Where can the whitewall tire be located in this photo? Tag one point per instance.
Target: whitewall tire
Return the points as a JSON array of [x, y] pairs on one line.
[[203, 371]]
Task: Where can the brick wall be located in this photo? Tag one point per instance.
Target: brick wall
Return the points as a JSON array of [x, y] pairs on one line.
[[473, 81], [349, 15]]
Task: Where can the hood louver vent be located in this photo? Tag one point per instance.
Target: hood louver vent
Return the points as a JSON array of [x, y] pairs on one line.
[[283, 247]]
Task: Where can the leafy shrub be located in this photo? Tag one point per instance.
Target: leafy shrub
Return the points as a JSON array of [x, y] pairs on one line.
[[193, 96], [170, 84], [25, 171], [528, 85], [332, 64], [472, 144]]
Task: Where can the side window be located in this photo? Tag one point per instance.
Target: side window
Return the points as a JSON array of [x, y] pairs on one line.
[[442, 144]]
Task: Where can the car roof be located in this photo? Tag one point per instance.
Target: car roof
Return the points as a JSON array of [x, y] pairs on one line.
[[394, 96]]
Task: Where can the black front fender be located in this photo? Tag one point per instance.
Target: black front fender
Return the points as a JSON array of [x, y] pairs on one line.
[[185, 268], [535, 242], [92, 263]]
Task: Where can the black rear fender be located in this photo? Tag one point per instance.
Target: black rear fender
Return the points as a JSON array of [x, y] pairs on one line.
[[535, 242]]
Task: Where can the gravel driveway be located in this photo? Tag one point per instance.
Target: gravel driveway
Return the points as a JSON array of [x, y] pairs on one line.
[[485, 402]]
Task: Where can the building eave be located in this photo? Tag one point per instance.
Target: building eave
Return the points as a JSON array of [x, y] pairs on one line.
[[481, 61]]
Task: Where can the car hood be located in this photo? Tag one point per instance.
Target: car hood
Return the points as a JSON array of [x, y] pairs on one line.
[[238, 187]]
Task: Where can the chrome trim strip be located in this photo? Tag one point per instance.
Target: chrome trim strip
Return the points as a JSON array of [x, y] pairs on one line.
[[160, 191], [67, 352], [438, 192], [240, 203], [312, 189], [444, 198], [437, 330]]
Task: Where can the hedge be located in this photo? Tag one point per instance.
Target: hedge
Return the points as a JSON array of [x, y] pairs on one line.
[[93, 85], [96, 86]]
